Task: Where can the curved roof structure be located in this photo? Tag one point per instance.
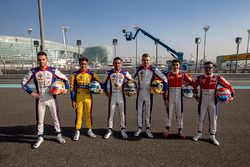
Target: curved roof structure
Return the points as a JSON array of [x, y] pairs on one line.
[[20, 52]]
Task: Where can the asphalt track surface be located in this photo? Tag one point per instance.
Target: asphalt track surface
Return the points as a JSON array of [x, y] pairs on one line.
[[17, 135]]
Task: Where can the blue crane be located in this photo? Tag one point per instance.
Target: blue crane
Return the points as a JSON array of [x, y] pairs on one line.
[[129, 36]]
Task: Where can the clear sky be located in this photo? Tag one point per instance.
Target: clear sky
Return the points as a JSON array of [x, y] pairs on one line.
[[97, 22]]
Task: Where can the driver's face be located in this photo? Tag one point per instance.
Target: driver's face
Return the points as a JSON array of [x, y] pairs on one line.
[[176, 66], [83, 65], [146, 61], [117, 64], [42, 60], [209, 69]]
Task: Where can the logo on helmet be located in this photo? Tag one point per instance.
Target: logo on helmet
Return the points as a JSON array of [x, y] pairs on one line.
[[156, 87], [130, 88], [57, 88], [223, 95], [95, 88], [188, 91]]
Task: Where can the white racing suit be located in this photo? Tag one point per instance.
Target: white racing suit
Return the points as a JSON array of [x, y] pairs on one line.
[[116, 80], [43, 80], [174, 96], [145, 77], [208, 103]]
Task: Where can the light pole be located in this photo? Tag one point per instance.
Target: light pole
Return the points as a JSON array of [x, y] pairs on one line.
[[4, 66], [237, 41], [36, 44], [136, 45], [78, 43], [64, 30], [40, 12], [248, 39], [136, 51], [156, 53], [205, 28], [247, 45], [31, 46], [115, 42], [197, 42]]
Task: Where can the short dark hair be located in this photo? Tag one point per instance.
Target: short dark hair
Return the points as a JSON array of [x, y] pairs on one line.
[[41, 53], [175, 61], [145, 55], [117, 58], [208, 62], [83, 59]]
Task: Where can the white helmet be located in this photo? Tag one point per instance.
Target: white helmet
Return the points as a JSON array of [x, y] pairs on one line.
[[130, 88], [57, 88], [188, 91], [95, 87]]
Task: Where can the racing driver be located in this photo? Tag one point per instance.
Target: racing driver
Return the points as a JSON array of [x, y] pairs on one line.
[[43, 76]]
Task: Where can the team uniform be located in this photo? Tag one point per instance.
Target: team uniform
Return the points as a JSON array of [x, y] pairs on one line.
[[173, 95], [43, 80], [80, 93], [145, 78], [116, 80], [208, 86]]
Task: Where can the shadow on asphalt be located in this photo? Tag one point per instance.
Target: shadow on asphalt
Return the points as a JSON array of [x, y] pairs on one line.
[[18, 134], [27, 134], [143, 135]]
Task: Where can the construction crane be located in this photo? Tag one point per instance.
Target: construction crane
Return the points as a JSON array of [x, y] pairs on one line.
[[129, 36]]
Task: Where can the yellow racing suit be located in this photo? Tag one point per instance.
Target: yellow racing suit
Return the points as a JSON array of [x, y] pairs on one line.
[[79, 92]]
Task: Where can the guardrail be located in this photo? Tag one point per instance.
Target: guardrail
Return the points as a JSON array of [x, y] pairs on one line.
[[16, 78]]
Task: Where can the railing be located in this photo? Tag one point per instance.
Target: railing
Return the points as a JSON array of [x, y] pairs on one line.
[[16, 78]]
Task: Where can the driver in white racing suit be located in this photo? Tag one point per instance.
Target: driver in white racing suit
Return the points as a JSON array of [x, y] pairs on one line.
[[146, 75], [208, 83], [43, 76], [173, 97], [116, 79]]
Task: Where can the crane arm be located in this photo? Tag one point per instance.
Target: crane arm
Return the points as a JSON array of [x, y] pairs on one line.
[[176, 55]]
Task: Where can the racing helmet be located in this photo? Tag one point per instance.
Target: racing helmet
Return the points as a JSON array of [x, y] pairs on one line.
[[95, 87], [188, 91], [156, 87], [57, 88], [130, 88], [223, 95]]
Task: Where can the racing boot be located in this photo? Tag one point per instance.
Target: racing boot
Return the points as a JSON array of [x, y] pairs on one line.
[[108, 134], [138, 132], [90, 133], [181, 135], [124, 134], [149, 133], [197, 136], [165, 134], [60, 139], [39, 141], [77, 135], [214, 141]]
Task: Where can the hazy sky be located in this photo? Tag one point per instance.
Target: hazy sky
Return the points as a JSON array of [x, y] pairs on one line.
[[97, 22]]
